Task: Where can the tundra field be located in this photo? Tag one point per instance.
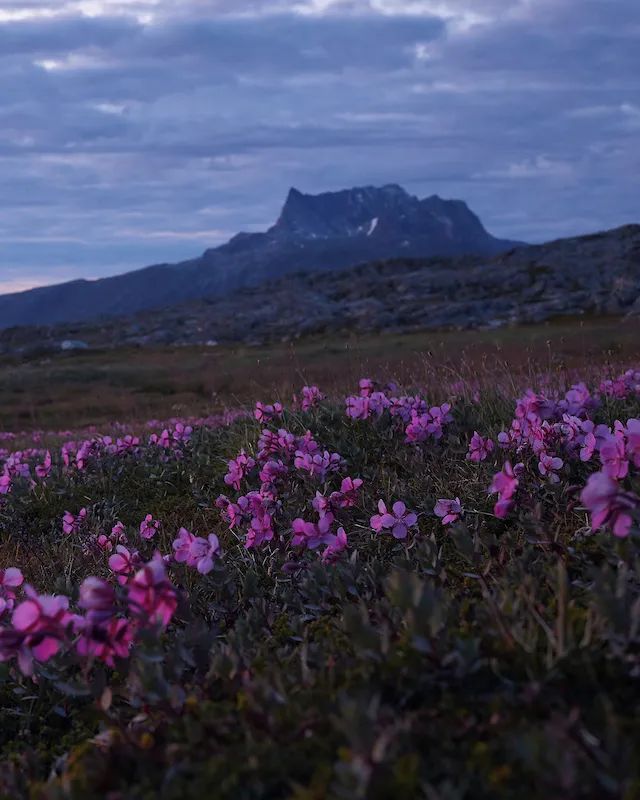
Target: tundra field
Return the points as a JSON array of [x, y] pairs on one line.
[[82, 388], [391, 567]]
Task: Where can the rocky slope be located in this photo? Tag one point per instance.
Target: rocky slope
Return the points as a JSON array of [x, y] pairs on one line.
[[596, 274], [317, 233]]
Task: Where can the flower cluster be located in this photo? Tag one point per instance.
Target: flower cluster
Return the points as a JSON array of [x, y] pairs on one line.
[[42, 625]]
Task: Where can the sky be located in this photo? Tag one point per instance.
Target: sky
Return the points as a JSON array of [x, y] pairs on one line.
[[135, 132]]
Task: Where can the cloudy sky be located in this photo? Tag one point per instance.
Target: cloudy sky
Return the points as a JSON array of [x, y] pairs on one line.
[[139, 131]]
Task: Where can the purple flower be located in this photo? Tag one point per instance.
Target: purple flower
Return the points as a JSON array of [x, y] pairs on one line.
[[312, 534], [608, 504], [347, 497], [266, 413], [505, 483], [318, 464], [549, 465], [614, 457], [479, 448], [43, 470], [633, 441], [149, 527], [97, 598], [366, 386], [399, 520], [311, 396], [448, 510], [358, 407], [588, 447], [238, 468], [272, 471], [336, 545], [195, 551], [10, 579], [260, 529], [71, 523]]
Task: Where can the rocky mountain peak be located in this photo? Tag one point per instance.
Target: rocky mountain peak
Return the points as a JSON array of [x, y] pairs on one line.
[[314, 233], [367, 210]]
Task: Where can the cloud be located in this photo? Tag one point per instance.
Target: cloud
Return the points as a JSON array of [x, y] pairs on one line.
[[138, 131], [540, 166]]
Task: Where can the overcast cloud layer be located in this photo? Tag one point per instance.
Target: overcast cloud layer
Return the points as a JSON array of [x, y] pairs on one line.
[[133, 133]]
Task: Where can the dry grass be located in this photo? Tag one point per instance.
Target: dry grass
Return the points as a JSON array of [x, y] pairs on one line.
[[78, 389]]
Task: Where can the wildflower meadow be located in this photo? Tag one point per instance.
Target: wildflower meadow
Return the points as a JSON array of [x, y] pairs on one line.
[[395, 592]]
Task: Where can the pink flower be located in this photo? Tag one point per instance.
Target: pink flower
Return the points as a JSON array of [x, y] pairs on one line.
[[181, 432], [347, 497], [378, 403], [429, 424], [5, 484], [479, 448], [97, 598], [272, 471], [282, 443], [265, 413], [321, 504], [505, 483], [194, 551], [358, 407], [238, 469], [234, 513], [399, 520], [212, 551], [633, 441], [588, 447], [549, 465], [41, 624], [118, 534], [503, 506], [123, 563], [609, 504], [10, 579], [151, 596], [72, 524], [43, 470], [104, 543], [163, 440], [311, 396], [376, 519], [404, 407], [183, 547], [448, 510], [318, 464], [126, 444], [260, 530], [149, 527], [366, 386], [312, 534], [106, 641], [336, 545], [614, 458]]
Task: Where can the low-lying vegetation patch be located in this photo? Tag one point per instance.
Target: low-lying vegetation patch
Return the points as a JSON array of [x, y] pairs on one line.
[[383, 597]]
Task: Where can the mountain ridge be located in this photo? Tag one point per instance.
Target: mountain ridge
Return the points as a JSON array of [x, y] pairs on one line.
[[331, 230], [595, 274]]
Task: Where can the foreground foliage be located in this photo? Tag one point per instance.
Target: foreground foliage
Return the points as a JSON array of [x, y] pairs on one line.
[[401, 600]]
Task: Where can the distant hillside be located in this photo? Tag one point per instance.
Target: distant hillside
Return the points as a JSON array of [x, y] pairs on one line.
[[596, 274], [314, 233]]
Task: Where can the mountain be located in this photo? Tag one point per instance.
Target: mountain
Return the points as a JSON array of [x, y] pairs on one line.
[[598, 274], [313, 233]]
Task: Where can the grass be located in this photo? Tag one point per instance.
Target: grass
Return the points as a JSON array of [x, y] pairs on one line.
[[494, 659], [79, 389]]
